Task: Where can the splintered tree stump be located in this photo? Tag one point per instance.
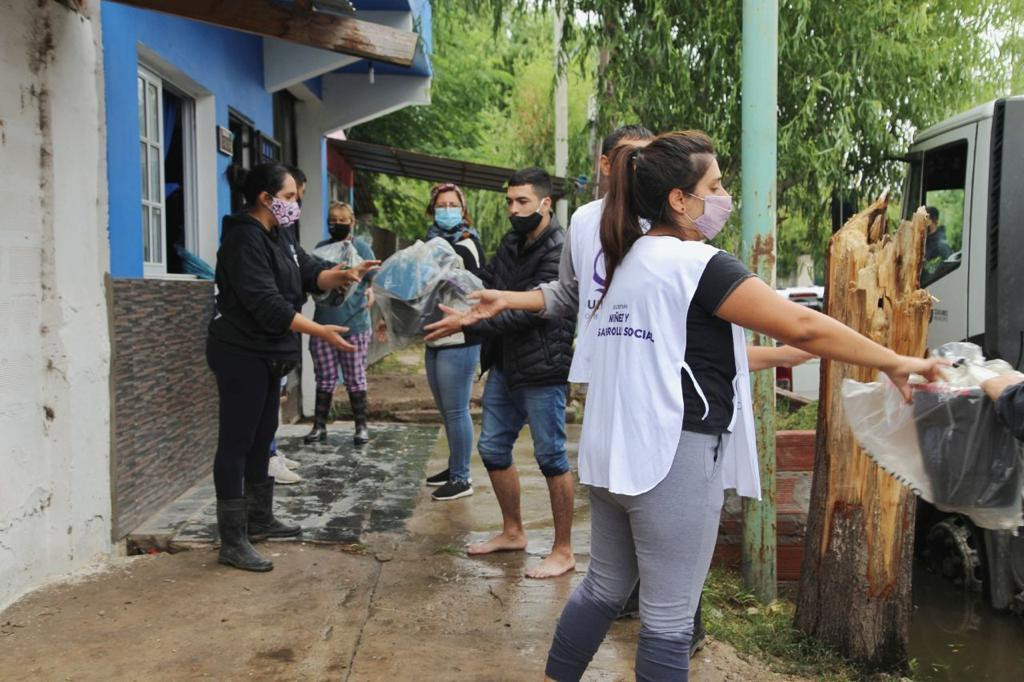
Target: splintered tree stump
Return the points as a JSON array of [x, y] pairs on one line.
[[855, 580]]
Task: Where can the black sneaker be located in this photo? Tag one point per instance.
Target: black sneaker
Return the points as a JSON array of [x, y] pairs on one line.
[[438, 479], [453, 490]]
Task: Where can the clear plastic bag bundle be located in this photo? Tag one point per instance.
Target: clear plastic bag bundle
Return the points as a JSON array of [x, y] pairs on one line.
[[412, 283], [948, 445], [339, 253]]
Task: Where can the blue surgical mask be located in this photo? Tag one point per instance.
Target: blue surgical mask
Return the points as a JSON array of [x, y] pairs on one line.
[[448, 218]]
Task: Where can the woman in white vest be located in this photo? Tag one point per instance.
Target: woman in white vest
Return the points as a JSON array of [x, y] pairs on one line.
[[661, 421], [667, 425]]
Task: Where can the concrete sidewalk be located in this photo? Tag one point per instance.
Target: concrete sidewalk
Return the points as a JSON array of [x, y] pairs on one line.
[[391, 599]]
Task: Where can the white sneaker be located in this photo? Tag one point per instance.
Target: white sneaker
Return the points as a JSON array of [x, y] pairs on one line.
[[280, 473], [290, 463]]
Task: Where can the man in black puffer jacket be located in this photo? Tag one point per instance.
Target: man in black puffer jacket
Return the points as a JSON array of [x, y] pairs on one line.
[[528, 360]]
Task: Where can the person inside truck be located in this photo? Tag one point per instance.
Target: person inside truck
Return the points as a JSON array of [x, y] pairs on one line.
[[936, 245]]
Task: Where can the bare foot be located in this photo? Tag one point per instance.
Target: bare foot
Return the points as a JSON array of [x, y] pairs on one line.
[[499, 543], [556, 563]]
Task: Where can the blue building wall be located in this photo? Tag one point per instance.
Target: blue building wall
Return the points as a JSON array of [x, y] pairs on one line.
[[227, 63]]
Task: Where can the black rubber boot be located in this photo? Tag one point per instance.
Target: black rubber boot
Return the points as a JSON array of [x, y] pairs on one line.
[[357, 400], [321, 414], [699, 638], [235, 550], [262, 522]]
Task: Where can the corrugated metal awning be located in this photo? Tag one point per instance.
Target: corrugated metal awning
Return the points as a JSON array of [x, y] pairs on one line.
[[377, 158]]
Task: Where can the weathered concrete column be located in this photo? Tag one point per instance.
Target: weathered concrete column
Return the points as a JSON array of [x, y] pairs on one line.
[[759, 149], [55, 502]]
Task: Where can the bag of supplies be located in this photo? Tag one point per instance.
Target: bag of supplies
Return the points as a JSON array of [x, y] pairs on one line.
[[947, 445], [412, 283]]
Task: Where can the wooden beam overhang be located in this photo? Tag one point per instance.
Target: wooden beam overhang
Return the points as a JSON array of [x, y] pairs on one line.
[[298, 23]]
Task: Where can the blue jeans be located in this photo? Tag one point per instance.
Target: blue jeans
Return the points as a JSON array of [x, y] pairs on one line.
[[450, 376], [505, 413]]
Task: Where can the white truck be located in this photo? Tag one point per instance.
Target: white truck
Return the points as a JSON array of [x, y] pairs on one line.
[[970, 170]]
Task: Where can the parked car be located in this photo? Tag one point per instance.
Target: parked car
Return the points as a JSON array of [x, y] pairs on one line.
[[804, 379]]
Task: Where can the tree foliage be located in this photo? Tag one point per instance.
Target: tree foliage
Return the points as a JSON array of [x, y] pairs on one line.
[[857, 79], [491, 102]]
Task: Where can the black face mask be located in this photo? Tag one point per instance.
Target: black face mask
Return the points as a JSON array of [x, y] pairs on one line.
[[339, 230], [525, 224]]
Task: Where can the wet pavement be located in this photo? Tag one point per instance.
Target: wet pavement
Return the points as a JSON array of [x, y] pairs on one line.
[[386, 591], [347, 491]]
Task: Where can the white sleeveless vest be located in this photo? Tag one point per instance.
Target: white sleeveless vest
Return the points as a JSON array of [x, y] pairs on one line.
[[634, 409]]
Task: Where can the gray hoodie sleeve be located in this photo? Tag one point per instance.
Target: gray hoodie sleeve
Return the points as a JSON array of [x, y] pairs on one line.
[[561, 296]]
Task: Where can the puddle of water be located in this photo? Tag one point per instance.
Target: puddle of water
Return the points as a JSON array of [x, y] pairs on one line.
[[955, 635]]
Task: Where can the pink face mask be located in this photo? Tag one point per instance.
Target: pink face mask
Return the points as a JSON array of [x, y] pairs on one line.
[[717, 210], [286, 212]]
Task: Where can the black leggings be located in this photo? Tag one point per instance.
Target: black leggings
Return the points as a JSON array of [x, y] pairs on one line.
[[249, 389]]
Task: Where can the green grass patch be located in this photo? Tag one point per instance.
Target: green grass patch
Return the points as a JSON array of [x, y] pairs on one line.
[[766, 632], [405, 361], [803, 419]]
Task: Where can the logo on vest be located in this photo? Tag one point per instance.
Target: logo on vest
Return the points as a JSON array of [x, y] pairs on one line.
[[599, 280], [619, 325]]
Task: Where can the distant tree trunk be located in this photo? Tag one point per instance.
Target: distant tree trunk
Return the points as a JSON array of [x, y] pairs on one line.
[[601, 119], [855, 582]]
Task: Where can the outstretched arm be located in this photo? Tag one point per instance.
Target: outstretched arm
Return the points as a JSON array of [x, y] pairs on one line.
[[754, 305], [768, 357]]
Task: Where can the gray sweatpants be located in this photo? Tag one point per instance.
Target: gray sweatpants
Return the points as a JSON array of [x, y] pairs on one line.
[[665, 537]]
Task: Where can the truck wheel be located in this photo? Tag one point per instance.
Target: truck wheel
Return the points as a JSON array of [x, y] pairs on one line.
[[951, 550]]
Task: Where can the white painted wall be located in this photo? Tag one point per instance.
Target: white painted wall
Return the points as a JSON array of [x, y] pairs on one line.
[[55, 503]]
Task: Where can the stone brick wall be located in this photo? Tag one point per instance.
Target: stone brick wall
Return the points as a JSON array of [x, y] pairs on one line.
[[794, 457], [164, 396]]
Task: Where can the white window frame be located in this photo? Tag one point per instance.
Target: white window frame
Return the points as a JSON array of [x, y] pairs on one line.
[[152, 143], [199, 128]]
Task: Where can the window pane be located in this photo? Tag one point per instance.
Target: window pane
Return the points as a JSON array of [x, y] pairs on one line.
[[143, 173], [156, 225], [142, 108], [156, 192], [146, 250], [152, 113], [945, 178]]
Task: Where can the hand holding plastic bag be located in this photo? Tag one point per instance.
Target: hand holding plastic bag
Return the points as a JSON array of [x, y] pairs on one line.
[[948, 445], [411, 285], [339, 253]]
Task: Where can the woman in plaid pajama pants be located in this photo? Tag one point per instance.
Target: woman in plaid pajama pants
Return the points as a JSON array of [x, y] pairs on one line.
[[328, 362]]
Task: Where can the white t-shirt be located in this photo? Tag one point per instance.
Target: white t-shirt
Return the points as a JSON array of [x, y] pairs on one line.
[[588, 264]]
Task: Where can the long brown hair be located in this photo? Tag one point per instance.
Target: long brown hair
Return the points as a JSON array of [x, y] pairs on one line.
[[641, 179]]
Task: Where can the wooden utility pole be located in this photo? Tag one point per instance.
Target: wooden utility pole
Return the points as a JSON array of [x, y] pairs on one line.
[[855, 581], [561, 120]]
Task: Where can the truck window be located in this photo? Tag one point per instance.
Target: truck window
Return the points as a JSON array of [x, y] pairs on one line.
[[944, 179]]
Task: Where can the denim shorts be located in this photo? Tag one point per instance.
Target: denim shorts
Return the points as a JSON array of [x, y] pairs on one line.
[[507, 411]]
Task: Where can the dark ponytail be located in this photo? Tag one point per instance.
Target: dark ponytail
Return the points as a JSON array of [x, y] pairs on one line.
[[641, 179], [266, 177]]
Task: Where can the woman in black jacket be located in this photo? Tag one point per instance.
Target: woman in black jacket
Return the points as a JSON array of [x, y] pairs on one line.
[[262, 281]]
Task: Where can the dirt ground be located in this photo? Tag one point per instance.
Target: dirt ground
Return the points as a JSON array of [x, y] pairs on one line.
[[406, 605], [321, 614]]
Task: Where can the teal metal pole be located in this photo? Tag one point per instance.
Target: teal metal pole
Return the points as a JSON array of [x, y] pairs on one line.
[[759, 149]]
